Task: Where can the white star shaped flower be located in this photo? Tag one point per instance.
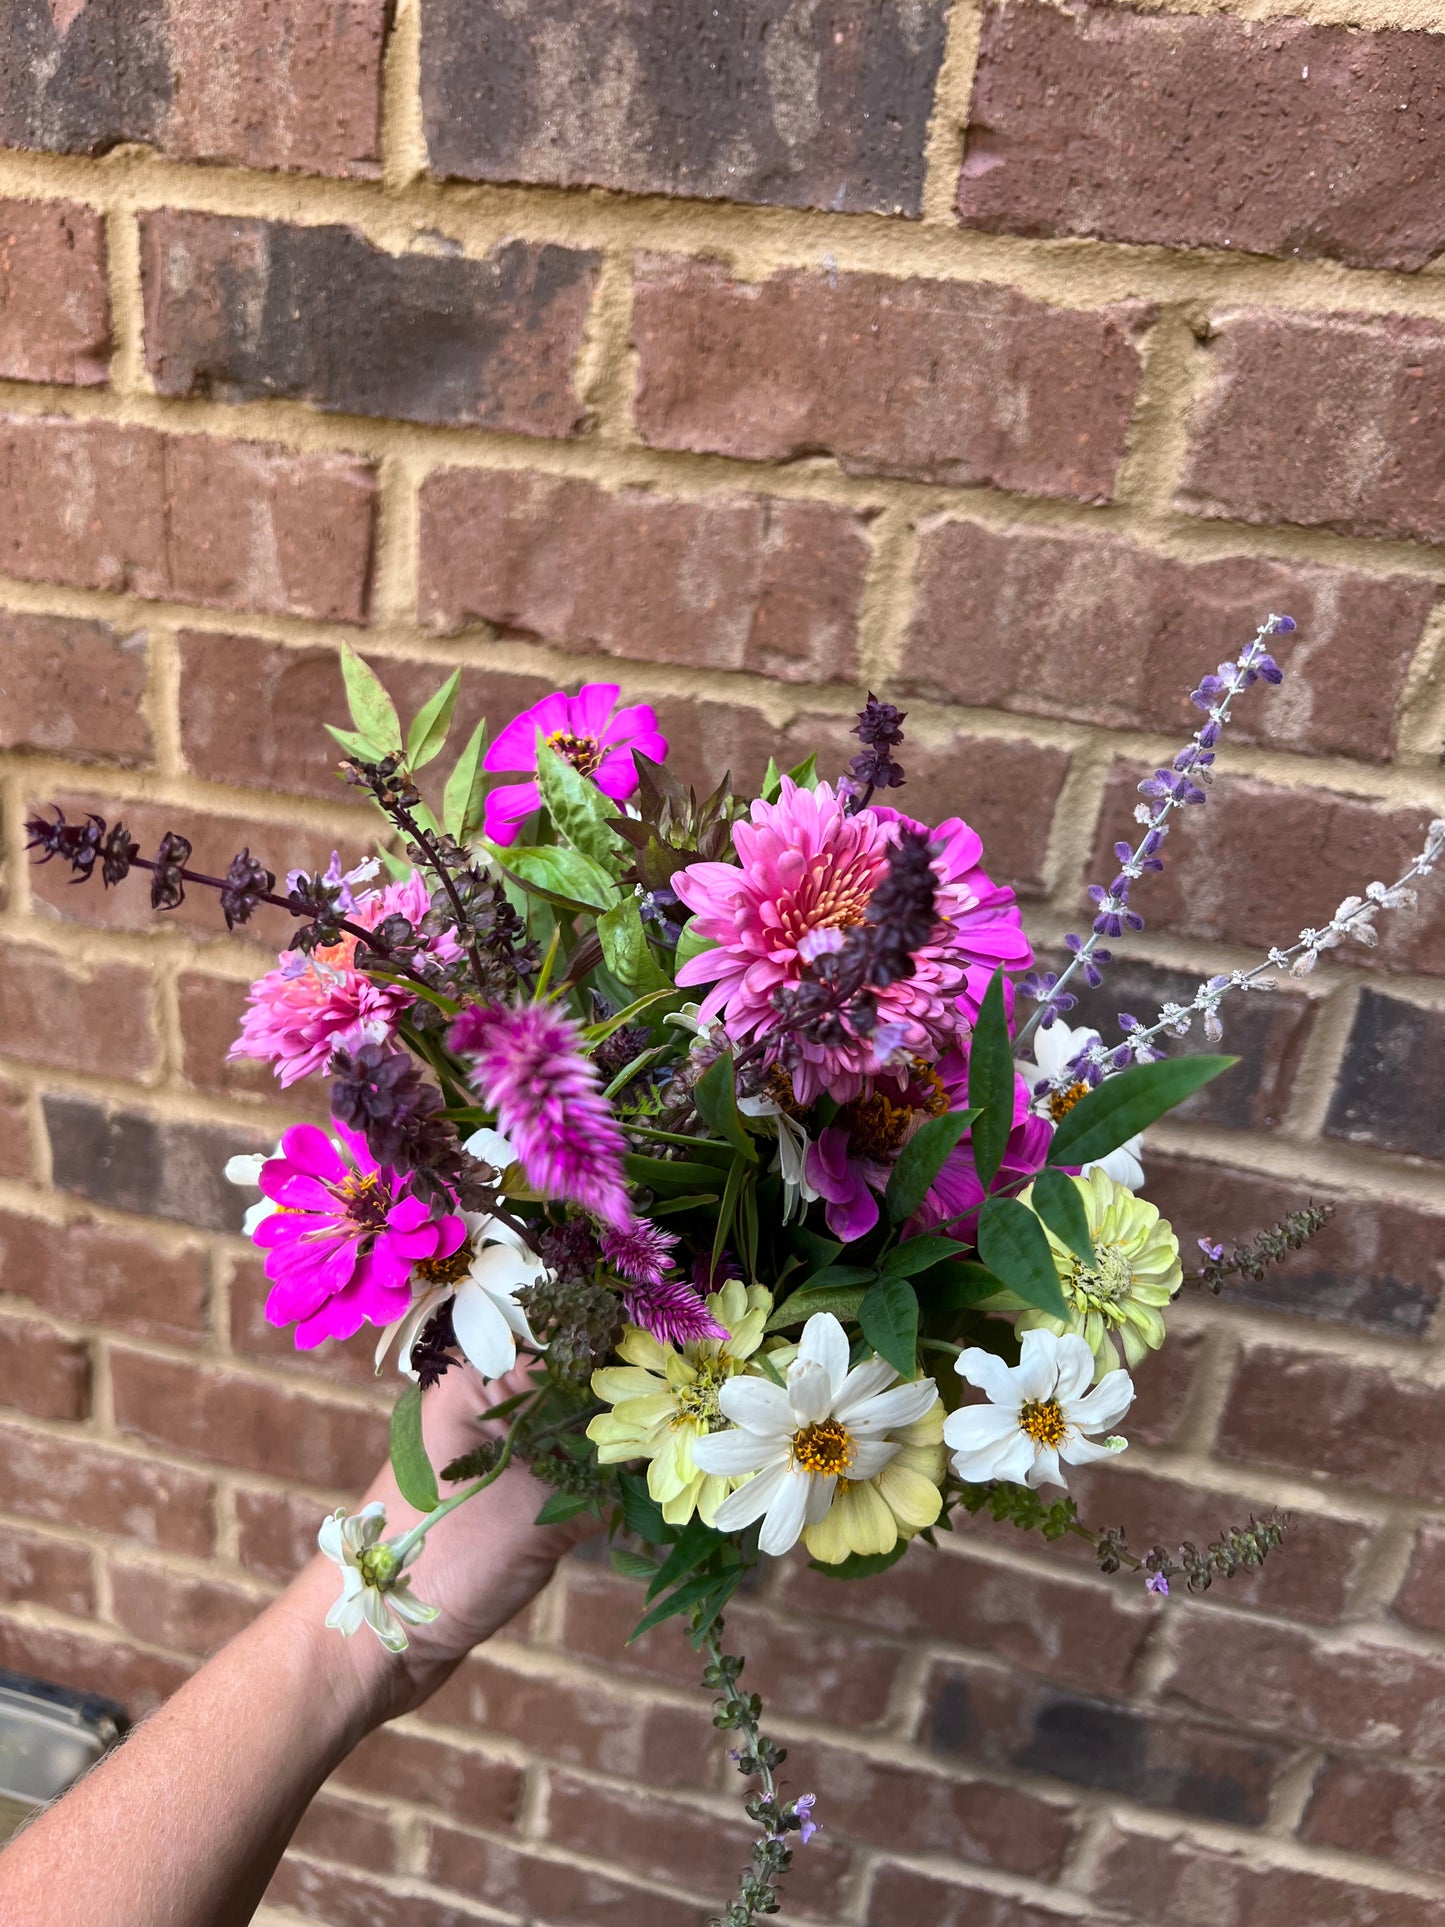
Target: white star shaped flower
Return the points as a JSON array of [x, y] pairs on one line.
[[1039, 1412]]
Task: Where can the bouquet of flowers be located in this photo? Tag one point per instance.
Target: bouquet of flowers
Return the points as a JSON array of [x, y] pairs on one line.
[[725, 1118]]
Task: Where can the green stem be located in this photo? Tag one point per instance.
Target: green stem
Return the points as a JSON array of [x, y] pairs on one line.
[[402, 1546]]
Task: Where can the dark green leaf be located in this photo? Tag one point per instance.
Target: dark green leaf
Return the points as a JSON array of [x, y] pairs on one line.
[[816, 1249], [772, 782], [557, 875], [561, 1506], [632, 1565], [888, 1319], [732, 1191], [428, 731], [409, 1461], [681, 1601], [667, 1174], [690, 944], [958, 1287], [1055, 1196], [1111, 1114], [921, 1160], [991, 1082], [464, 798], [842, 1300], [711, 1604], [690, 1201], [805, 774], [715, 1096], [642, 1512], [919, 1254], [1012, 1244], [372, 710], [696, 1543], [627, 952]]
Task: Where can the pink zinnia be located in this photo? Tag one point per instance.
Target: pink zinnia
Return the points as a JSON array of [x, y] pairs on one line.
[[534, 1073], [340, 1249], [588, 729], [808, 866], [672, 1311], [641, 1251]]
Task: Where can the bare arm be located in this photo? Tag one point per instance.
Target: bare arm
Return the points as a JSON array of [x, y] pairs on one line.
[[183, 1825]]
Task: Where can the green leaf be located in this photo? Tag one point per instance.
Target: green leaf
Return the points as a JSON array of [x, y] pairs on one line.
[[632, 1565], [596, 1033], [919, 1254], [732, 1191], [772, 782], [862, 1565], [428, 732], [372, 710], [921, 1160], [557, 875], [690, 1201], [961, 1287], [465, 796], [642, 1512], [715, 1096], [839, 1275], [697, 1542], [680, 1601], [409, 1461], [561, 1506], [1111, 1114], [670, 1174], [1012, 1244], [626, 951], [1055, 1196], [805, 774], [578, 808], [690, 944], [842, 1300], [711, 1604], [362, 748], [888, 1319], [991, 1082]]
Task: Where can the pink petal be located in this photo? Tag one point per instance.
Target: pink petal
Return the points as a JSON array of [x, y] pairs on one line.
[[589, 710], [516, 746], [310, 1150], [506, 809]]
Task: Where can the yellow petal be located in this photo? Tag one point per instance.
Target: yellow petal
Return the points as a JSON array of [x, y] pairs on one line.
[[914, 1501]]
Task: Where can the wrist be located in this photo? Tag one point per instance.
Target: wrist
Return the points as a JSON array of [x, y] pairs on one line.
[[347, 1682]]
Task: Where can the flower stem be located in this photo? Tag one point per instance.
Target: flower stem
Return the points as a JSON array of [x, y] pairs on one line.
[[757, 1757], [402, 1545]]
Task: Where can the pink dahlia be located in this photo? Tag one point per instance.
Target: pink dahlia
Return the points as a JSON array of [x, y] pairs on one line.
[[341, 1246], [532, 1070], [588, 729], [807, 866]]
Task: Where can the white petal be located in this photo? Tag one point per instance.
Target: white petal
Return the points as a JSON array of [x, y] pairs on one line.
[[255, 1214], [990, 1374], [482, 1332], [862, 1382], [502, 1269], [1105, 1405], [788, 1509], [904, 1405], [734, 1453], [810, 1392], [1014, 1463], [491, 1147], [870, 1456], [346, 1615], [1122, 1165], [825, 1340], [820, 1499], [978, 1468], [1075, 1367], [329, 1537], [1077, 1451], [415, 1611], [757, 1406], [750, 1501], [979, 1428], [1038, 1366], [245, 1169], [1045, 1468]]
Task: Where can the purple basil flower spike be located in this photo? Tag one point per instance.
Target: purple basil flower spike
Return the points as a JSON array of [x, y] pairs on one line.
[[1156, 1582]]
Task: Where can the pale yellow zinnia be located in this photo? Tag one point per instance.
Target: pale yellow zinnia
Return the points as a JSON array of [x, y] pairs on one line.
[[662, 1399], [872, 1515]]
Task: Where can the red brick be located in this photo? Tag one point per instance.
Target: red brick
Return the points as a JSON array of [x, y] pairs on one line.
[[46, 1572], [41, 1372], [296, 85], [1207, 133], [210, 1011], [337, 1362], [902, 1894], [76, 1016], [1061, 622], [245, 310], [15, 1158], [92, 1274], [1380, 1808], [553, 1891], [1421, 1599], [246, 1422], [1386, 1090], [160, 1168], [1329, 1419], [731, 582], [1163, 1387], [722, 103], [1370, 1697], [252, 711], [1262, 862], [276, 1531], [73, 1483], [1066, 1628], [359, 1836], [402, 1765], [940, 381], [73, 689], [186, 1614], [186, 518], [341, 1898], [1192, 1885], [54, 299], [1329, 420], [138, 1680], [994, 1719]]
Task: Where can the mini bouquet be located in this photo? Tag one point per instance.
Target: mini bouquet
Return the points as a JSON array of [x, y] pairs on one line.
[[725, 1117]]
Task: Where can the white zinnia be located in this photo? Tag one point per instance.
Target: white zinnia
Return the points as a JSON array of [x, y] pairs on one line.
[[1039, 1412], [374, 1589], [798, 1440], [1054, 1050], [791, 1162], [244, 1171]]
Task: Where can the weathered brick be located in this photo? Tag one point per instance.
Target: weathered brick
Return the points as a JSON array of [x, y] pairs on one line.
[[46, 1572], [1377, 1264], [15, 1155], [340, 1898], [294, 85], [901, 1894], [1330, 420], [54, 300], [72, 688], [1191, 1885], [1387, 1090], [243, 310], [348, 1362], [93, 1274], [1263, 862], [1207, 132], [449, 1779], [187, 1614], [210, 1011], [1372, 1698], [1062, 622], [76, 1016], [997, 1719], [41, 1372], [245, 1422], [187, 518], [275, 1531], [555, 1891], [1421, 1598], [943, 381], [158, 1167], [357, 1834], [823, 105], [74, 1483], [1380, 1808], [732, 582], [108, 1666], [1327, 1418]]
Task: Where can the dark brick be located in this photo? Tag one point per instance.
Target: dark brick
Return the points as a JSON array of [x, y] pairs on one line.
[[555, 1891], [46, 1572], [1062, 622], [819, 105], [359, 1835], [76, 1017], [292, 85], [943, 381], [160, 1168], [1387, 1093], [54, 301], [188, 518], [1421, 1598], [74, 1483], [276, 1531], [903, 1894], [996, 1719], [1380, 1808], [339, 1897], [41, 1372], [731, 582], [210, 1010], [15, 1156], [1207, 132], [1330, 420], [72, 688], [338, 1362], [243, 310], [176, 1610]]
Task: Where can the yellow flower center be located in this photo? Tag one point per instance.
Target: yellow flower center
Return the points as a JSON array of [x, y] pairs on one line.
[[366, 1203], [1044, 1422], [876, 1126], [447, 1271], [1062, 1102], [826, 1448], [697, 1403], [582, 752], [1106, 1282]]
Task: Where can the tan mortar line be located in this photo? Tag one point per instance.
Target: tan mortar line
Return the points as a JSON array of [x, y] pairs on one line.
[[1420, 728], [886, 601], [1416, 16], [944, 148], [1159, 429], [1319, 1065], [604, 376], [397, 556], [1333, 1162], [403, 135], [122, 248]]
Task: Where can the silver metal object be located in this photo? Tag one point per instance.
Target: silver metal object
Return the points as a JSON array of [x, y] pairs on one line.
[[49, 1736]]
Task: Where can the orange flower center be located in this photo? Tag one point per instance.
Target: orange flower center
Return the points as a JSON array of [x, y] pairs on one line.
[[826, 1448], [1062, 1102], [1044, 1422], [447, 1271]]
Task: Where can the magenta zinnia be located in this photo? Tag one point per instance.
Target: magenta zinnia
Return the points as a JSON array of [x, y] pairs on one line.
[[589, 730], [533, 1072]]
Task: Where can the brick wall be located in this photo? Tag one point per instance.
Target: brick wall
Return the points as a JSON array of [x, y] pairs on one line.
[[1009, 359]]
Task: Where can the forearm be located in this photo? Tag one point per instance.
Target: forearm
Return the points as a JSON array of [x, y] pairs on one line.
[[182, 1826]]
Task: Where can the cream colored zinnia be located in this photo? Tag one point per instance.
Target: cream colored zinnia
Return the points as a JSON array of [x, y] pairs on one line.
[[872, 1515], [663, 1399], [1115, 1303]]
